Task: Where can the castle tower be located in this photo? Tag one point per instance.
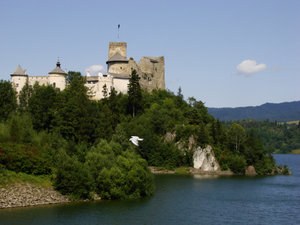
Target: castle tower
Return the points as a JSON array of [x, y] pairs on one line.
[[19, 78], [57, 77], [117, 47], [117, 62]]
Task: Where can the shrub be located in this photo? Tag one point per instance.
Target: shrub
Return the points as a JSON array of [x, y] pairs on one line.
[[24, 158], [237, 164], [73, 178]]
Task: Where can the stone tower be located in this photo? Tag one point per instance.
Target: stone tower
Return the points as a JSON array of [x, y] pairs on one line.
[[117, 47], [57, 77], [19, 79], [117, 63]]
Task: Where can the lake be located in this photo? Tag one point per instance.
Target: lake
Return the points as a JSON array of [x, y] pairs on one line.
[[185, 200]]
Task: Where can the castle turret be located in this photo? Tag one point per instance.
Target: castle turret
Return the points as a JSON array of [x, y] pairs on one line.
[[117, 62], [57, 77], [19, 78]]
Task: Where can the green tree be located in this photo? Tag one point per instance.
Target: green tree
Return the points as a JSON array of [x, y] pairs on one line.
[[73, 75], [134, 94], [73, 178], [24, 97], [236, 136], [41, 105], [8, 102], [104, 91]]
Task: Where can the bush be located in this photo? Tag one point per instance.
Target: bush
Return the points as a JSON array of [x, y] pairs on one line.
[[73, 178], [118, 174], [237, 164], [24, 158], [265, 165]]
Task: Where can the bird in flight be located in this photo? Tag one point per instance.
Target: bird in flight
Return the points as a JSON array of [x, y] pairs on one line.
[[135, 140]]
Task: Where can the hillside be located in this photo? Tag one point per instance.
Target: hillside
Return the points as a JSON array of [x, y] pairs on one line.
[[281, 112]]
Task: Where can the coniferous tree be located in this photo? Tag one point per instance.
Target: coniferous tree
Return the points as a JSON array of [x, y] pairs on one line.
[[134, 94], [8, 102], [73, 75], [104, 91], [24, 97]]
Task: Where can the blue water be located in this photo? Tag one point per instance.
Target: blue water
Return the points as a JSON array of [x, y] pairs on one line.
[[185, 200]]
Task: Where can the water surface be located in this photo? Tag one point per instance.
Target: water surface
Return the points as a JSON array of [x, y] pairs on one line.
[[185, 200]]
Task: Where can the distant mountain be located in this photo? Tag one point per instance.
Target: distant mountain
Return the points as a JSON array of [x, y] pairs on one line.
[[281, 112]]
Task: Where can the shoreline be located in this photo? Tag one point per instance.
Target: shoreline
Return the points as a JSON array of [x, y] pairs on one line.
[[25, 194], [21, 194], [17, 195], [189, 170]]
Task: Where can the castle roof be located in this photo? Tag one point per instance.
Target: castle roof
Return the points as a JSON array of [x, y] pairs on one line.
[[19, 72], [57, 70], [117, 58]]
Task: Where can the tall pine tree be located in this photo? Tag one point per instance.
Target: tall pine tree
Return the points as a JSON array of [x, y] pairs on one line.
[[134, 94]]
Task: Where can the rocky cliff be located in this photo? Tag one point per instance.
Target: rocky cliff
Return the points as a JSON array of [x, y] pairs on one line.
[[205, 160]]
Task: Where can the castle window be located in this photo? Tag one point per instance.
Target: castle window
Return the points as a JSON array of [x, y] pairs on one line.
[[120, 67], [54, 85], [17, 85]]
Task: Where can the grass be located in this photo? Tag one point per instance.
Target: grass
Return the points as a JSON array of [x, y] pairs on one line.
[[182, 170], [291, 122], [295, 151], [10, 177]]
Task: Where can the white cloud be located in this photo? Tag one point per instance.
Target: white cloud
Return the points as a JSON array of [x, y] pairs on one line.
[[94, 69], [248, 67]]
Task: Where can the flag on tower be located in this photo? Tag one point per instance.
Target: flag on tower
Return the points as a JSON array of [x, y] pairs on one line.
[[118, 26]]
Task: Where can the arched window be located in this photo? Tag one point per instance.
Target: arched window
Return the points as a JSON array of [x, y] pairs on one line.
[[54, 85]]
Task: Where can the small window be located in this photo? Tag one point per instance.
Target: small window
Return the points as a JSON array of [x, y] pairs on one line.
[[17, 85], [54, 85]]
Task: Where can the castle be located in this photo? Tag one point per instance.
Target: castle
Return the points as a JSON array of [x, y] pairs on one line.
[[150, 69]]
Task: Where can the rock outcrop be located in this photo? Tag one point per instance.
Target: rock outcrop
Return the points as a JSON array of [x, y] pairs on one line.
[[205, 160], [250, 171]]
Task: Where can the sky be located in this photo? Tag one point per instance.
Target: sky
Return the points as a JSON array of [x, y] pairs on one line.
[[225, 53]]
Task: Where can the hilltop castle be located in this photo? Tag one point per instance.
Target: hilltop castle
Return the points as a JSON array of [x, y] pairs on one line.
[[150, 69]]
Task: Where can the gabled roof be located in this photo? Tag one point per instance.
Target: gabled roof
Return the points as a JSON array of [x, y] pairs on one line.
[[57, 70], [19, 72], [117, 58]]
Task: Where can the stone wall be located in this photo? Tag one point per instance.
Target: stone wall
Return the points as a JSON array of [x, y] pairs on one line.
[[114, 47], [151, 71]]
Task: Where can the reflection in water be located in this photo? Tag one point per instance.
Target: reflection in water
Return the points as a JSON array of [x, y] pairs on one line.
[[182, 200], [205, 176]]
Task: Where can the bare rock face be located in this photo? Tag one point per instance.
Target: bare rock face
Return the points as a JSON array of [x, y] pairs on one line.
[[250, 171], [205, 160], [170, 136]]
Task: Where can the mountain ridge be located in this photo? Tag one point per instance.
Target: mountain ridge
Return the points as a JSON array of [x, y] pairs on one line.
[[281, 112]]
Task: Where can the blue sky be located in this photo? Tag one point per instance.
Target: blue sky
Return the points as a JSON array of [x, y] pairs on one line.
[[224, 53]]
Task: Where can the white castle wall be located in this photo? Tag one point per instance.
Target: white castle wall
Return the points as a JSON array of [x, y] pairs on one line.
[[121, 84], [18, 82], [41, 80], [57, 80]]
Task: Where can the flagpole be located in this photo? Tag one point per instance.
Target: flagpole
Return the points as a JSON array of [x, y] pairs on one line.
[[118, 32]]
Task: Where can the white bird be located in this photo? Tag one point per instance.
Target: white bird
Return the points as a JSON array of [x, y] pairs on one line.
[[135, 140]]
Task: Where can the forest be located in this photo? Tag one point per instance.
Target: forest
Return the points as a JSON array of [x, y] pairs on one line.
[[277, 137], [83, 145]]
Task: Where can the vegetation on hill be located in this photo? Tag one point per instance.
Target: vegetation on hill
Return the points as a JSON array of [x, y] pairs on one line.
[[277, 137], [84, 145], [283, 112]]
